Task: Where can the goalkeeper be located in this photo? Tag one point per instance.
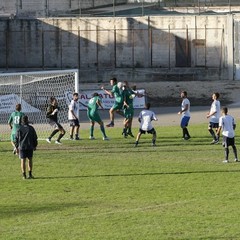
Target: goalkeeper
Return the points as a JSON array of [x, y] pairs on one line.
[[52, 115]]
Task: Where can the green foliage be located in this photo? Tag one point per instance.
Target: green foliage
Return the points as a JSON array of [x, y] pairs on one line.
[[94, 189]]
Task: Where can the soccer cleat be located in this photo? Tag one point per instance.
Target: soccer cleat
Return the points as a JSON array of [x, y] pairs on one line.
[[110, 125], [70, 138], [215, 141], [130, 134], [30, 177], [225, 161], [57, 142], [236, 160], [92, 138], [105, 138], [48, 140], [14, 151], [154, 144], [124, 134], [77, 138], [24, 176], [186, 138]]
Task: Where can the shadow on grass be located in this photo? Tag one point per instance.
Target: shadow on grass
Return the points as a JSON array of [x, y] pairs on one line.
[[10, 211], [140, 174]]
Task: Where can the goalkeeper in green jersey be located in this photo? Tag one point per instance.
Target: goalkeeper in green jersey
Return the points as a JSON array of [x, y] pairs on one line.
[[14, 123], [93, 115]]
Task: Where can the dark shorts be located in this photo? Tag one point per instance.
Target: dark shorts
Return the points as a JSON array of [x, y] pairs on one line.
[[184, 121], [152, 131], [74, 123], [55, 124], [228, 141], [213, 125], [25, 154]]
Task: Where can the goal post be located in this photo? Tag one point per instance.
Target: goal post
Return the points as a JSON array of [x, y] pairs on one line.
[[33, 90]]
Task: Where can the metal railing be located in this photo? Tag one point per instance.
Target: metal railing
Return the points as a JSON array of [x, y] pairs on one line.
[[82, 8]]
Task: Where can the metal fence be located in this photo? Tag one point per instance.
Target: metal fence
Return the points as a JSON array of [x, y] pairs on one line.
[[53, 8]]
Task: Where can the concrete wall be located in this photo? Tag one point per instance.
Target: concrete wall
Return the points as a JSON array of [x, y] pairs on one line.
[[139, 48]]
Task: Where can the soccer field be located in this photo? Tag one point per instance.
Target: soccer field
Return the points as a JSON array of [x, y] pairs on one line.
[[110, 190]]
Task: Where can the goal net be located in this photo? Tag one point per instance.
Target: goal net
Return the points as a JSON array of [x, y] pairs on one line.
[[33, 90]]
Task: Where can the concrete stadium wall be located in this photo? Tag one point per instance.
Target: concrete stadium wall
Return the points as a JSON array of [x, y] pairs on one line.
[[139, 48]]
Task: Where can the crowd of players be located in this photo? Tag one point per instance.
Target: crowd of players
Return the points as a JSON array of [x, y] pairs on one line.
[[24, 137]]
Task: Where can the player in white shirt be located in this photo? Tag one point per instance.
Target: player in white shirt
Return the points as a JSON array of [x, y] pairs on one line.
[[227, 125], [185, 111], [214, 115], [73, 113], [145, 118]]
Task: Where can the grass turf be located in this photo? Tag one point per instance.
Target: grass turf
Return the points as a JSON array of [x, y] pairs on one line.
[[94, 189]]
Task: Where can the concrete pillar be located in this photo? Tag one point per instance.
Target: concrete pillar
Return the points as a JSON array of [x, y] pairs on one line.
[[230, 47]]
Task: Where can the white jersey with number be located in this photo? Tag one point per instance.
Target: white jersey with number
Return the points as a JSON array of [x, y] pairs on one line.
[[74, 106], [227, 122], [146, 117], [215, 107]]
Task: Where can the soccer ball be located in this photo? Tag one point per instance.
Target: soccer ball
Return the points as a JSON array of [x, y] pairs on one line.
[[120, 85]]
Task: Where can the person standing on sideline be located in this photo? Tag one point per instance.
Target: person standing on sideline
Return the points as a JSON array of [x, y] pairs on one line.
[[52, 115], [93, 115], [185, 111], [25, 143], [14, 123], [145, 118], [73, 113], [214, 116], [227, 125], [118, 105]]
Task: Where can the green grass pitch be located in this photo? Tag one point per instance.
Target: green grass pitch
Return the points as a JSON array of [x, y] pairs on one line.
[[97, 190]]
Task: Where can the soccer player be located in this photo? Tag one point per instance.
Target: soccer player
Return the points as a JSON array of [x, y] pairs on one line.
[[214, 116], [73, 113], [118, 105], [25, 143], [227, 125], [145, 118], [128, 96], [93, 115], [52, 115], [185, 111], [14, 123]]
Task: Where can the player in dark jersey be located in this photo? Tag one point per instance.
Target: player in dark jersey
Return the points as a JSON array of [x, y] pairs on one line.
[[26, 142], [52, 116]]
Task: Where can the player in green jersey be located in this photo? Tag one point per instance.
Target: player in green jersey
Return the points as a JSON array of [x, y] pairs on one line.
[[14, 123], [93, 115], [118, 105], [128, 96]]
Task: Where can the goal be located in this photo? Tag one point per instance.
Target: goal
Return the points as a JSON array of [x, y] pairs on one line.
[[33, 90]]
